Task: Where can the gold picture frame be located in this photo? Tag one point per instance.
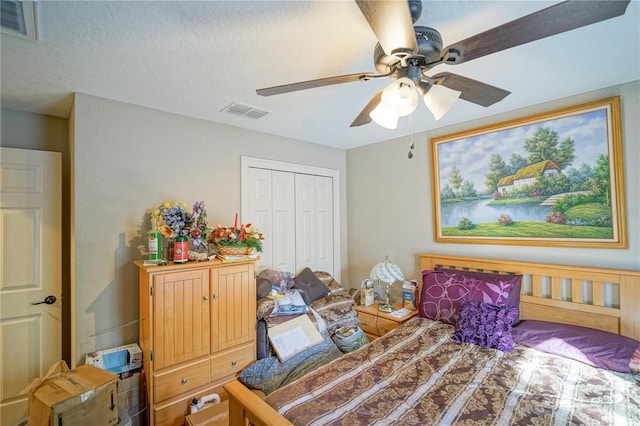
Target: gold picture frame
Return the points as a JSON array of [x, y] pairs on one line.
[[550, 179]]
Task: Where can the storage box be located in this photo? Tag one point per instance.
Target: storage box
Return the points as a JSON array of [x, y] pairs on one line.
[[82, 396], [212, 415], [118, 360], [410, 294], [131, 397], [126, 362], [367, 293]]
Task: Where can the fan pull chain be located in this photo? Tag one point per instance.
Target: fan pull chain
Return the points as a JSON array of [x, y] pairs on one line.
[[411, 144]]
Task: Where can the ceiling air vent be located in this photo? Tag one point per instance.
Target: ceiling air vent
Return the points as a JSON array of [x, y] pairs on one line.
[[19, 18], [243, 110]]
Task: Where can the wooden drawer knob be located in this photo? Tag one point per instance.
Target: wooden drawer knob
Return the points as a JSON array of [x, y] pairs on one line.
[[184, 381]]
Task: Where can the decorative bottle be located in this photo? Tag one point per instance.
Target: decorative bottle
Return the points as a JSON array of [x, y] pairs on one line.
[[155, 241], [180, 250]]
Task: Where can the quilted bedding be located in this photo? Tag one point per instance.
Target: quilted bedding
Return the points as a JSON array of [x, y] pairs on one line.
[[333, 311], [418, 375], [328, 314]]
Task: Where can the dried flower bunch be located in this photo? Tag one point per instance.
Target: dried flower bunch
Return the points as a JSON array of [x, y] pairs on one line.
[[174, 220]]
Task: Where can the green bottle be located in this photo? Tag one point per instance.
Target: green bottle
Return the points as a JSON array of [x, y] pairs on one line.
[[155, 241]]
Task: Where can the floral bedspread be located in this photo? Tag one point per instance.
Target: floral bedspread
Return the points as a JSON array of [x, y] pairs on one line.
[[418, 375]]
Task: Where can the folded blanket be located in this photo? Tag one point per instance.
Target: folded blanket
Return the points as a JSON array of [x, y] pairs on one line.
[[291, 303], [268, 374]]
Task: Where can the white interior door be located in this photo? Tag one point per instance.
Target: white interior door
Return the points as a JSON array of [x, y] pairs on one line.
[[324, 224], [283, 236], [314, 223], [271, 209], [30, 271], [298, 207], [260, 206]]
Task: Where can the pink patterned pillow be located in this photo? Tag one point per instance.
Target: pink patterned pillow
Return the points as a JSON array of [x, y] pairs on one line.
[[443, 291]]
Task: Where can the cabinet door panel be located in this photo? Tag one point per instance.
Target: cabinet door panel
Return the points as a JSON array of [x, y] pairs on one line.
[[233, 306], [181, 310]]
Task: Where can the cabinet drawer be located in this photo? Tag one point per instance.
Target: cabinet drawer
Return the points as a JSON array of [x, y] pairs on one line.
[[232, 361], [172, 412], [183, 379], [375, 325], [368, 323], [385, 326]]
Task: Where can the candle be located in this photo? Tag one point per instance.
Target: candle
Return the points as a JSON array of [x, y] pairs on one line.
[[235, 224]]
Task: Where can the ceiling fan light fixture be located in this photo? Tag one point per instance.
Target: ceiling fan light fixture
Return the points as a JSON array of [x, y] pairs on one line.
[[401, 96], [439, 99], [384, 117]]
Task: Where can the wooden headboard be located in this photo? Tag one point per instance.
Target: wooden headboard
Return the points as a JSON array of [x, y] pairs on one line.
[[606, 299]]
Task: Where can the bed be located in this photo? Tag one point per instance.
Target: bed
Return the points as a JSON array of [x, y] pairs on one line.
[[418, 374]]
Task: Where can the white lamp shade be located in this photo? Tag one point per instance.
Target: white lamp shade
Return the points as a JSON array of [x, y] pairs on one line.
[[386, 272], [384, 117], [439, 99], [401, 96]]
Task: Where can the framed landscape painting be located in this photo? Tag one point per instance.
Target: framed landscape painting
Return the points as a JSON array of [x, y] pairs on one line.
[[553, 179]]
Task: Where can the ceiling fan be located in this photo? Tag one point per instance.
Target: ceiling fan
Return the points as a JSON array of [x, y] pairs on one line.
[[406, 53]]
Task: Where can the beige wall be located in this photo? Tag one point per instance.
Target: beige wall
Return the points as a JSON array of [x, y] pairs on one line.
[[390, 207], [129, 159]]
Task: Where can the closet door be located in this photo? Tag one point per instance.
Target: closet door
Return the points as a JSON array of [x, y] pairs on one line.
[[297, 208], [271, 204], [314, 222]]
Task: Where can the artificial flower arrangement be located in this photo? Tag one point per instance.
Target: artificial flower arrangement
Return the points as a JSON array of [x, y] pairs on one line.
[[237, 236], [174, 220]]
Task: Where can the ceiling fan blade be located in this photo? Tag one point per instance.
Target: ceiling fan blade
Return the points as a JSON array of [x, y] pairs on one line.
[[293, 87], [391, 23], [472, 90], [555, 19], [364, 118]]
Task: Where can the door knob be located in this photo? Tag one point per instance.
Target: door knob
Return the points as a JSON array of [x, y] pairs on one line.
[[49, 300]]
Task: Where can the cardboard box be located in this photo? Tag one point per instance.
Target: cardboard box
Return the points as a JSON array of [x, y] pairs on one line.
[[118, 360], [211, 415], [78, 397], [126, 362], [367, 292], [410, 294]]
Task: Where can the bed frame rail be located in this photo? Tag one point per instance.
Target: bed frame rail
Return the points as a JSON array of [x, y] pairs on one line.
[[246, 408]]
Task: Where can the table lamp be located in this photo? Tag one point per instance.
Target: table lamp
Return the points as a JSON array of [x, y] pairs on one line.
[[388, 273]]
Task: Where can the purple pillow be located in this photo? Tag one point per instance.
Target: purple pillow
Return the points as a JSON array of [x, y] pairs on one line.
[[594, 347], [486, 325], [443, 291]]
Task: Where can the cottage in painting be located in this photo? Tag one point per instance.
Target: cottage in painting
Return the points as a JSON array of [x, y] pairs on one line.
[[527, 175]]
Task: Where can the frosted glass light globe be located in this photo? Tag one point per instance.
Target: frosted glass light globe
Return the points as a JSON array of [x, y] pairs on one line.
[[401, 96]]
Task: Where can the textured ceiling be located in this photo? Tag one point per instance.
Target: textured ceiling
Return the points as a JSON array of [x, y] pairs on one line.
[[195, 58]]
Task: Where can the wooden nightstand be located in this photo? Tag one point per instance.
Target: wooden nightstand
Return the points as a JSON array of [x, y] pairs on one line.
[[376, 323]]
